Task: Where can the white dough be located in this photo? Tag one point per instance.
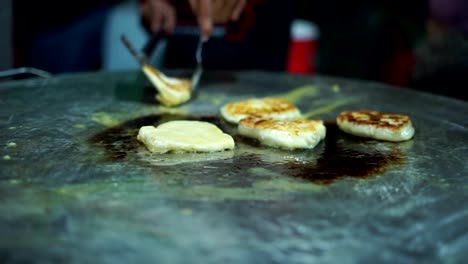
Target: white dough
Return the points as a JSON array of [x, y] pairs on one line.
[[185, 136]]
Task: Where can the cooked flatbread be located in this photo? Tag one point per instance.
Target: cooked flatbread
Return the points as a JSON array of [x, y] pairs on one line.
[[172, 91], [376, 125], [269, 107], [290, 134], [185, 136]]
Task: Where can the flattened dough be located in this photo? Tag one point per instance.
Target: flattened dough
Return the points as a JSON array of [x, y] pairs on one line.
[[376, 125], [185, 136], [290, 134], [269, 107]]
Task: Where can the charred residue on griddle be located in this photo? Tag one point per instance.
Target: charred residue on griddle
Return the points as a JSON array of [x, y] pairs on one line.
[[339, 159], [121, 140], [247, 141]]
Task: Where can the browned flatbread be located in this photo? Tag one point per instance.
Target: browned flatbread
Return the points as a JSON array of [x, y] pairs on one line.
[[269, 107], [289, 134], [377, 125]]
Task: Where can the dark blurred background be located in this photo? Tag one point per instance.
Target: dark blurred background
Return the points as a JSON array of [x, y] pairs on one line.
[[419, 44]]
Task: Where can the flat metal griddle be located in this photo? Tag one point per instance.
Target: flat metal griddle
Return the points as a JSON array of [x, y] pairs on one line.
[[76, 186]]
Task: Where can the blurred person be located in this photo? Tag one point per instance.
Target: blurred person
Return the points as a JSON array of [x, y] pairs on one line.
[[256, 33], [442, 58], [140, 20], [451, 13], [366, 39], [59, 36]]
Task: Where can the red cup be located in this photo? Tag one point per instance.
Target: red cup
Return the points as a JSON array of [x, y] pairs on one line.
[[302, 47]]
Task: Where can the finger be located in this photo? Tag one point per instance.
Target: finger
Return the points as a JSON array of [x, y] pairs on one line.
[[229, 9], [240, 4], [205, 18], [224, 11], [156, 21], [217, 9], [170, 19], [194, 6], [145, 11], [217, 6]]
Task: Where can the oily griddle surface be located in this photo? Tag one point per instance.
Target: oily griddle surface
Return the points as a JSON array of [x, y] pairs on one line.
[[339, 156], [73, 176]]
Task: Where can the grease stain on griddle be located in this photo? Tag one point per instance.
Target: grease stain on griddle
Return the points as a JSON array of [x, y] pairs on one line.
[[119, 141], [341, 155], [340, 159]]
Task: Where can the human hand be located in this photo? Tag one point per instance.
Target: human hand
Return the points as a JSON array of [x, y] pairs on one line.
[[160, 14], [215, 11]]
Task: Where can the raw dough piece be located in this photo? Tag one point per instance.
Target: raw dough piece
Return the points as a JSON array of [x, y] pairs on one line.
[[185, 136]]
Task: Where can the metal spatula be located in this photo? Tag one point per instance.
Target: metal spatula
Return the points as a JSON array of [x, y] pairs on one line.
[[199, 69], [172, 91]]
